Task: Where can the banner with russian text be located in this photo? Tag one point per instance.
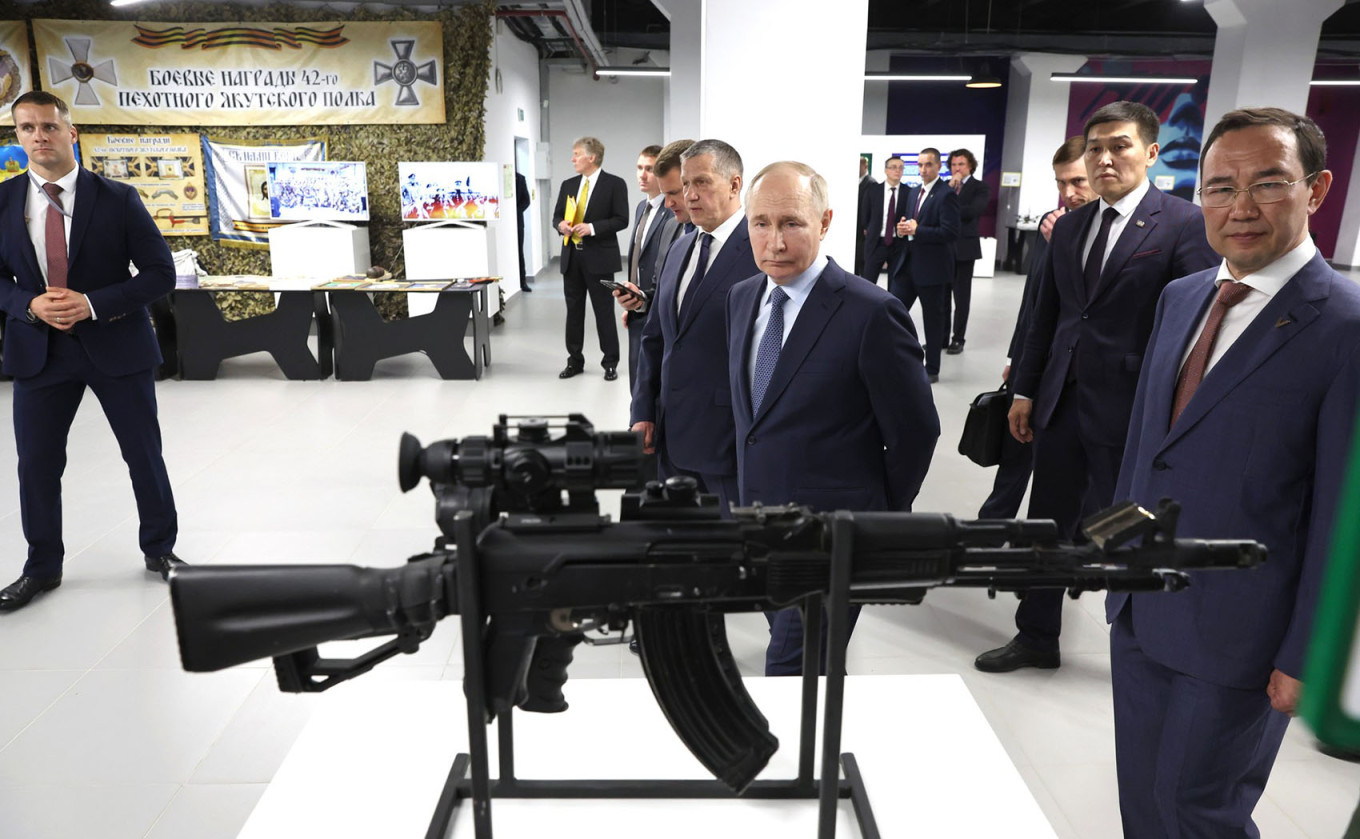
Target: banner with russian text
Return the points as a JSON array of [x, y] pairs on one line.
[[238, 197], [165, 169], [16, 76], [129, 73]]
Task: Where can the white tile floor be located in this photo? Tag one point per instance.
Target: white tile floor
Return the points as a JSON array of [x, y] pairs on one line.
[[102, 734]]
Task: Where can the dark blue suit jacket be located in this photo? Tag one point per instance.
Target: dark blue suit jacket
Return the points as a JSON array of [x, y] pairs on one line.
[[682, 375], [109, 228], [653, 244], [848, 421], [930, 253], [1101, 340], [871, 210], [1259, 453]]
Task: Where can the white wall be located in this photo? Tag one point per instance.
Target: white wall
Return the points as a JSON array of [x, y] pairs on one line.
[[625, 115], [519, 92]]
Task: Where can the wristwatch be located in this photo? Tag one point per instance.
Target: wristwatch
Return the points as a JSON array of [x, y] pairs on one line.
[[32, 318]]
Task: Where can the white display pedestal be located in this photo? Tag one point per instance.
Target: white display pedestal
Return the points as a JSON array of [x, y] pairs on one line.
[[318, 249], [450, 249], [985, 266], [373, 759]]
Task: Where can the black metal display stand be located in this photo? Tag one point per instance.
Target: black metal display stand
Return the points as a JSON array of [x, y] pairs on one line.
[[468, 778]]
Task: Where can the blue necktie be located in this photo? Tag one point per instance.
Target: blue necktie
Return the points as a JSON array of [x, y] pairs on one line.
[[767, 356]]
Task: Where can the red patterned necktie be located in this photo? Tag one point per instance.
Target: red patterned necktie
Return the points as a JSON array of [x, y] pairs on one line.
[[55, 239], [1192, 373]]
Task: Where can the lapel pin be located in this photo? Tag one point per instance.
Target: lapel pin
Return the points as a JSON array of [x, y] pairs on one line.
[[1139, 222], [1282, 322]]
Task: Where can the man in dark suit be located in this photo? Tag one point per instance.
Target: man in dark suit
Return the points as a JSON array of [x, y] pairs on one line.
[[1245, 409], [590, 253], [881, 206], [1105, 267], [649, 223], [865, 183], [682, 404], [832, 406], [522, 201], [973, 197], [931, 228], [76, 319], [1017, 458]]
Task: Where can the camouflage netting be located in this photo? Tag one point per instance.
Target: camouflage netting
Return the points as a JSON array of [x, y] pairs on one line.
[[467, 64]]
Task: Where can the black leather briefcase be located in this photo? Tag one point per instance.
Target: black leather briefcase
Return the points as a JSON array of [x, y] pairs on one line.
[[985, 427]]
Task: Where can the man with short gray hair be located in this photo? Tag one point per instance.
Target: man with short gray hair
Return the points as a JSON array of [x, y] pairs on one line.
[[590, 252], [829, 390]]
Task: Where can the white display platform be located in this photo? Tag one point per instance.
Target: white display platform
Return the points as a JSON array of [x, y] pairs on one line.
[[318, 249], [373, 759], [449, 249], [985, 266]]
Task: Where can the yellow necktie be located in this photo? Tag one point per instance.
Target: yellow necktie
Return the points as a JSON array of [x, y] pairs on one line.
[[580, 214]]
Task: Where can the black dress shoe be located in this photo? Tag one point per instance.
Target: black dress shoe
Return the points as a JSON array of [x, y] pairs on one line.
[[610, 374], [526, 288], [17, 594], [162, 564], [633, 646], [569, 372], [955, 348], [1015, 655], [934, 377]]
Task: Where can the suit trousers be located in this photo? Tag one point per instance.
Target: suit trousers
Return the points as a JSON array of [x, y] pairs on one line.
[[784, 655], [44, 407], [1012, 479], [577, 285], [1072, 480], [962, 287], [934, 311], [878, 259], [1192, 757]]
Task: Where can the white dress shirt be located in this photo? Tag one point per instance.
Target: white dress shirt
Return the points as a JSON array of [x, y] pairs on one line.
[[798, 290], [593, 178], [651, 214], [1264, 284], [35, 216], [720, 235], [1124, 207], [35, 211], [899, 211]]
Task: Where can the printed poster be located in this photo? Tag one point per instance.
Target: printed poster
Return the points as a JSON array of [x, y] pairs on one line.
[[16, 76], [165, 169], [238, 186], [337, 73]]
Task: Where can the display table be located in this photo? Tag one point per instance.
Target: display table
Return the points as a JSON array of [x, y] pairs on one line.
[[349, 330], [204, 338], [373, 759], [1019, 239], [362, 337]]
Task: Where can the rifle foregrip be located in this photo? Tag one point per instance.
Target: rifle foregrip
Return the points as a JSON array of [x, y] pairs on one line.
[[695, 680], [548, 673]]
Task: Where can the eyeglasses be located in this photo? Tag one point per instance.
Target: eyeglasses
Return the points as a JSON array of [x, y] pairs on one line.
[[1265, 192]]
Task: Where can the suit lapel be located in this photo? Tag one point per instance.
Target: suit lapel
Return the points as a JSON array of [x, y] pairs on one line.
[[1285, 317], [80, 215], [667, 297], [1071, 254], [718, 266], [746, 317], [16, 230], [821, 304], [1140, 225], [655, 223]]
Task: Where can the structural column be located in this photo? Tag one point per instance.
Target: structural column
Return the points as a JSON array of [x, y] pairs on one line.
[[1036, 125], [1263, 53], [779, 81]]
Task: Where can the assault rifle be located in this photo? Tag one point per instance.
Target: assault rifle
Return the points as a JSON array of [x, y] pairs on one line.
[[530, 565]]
